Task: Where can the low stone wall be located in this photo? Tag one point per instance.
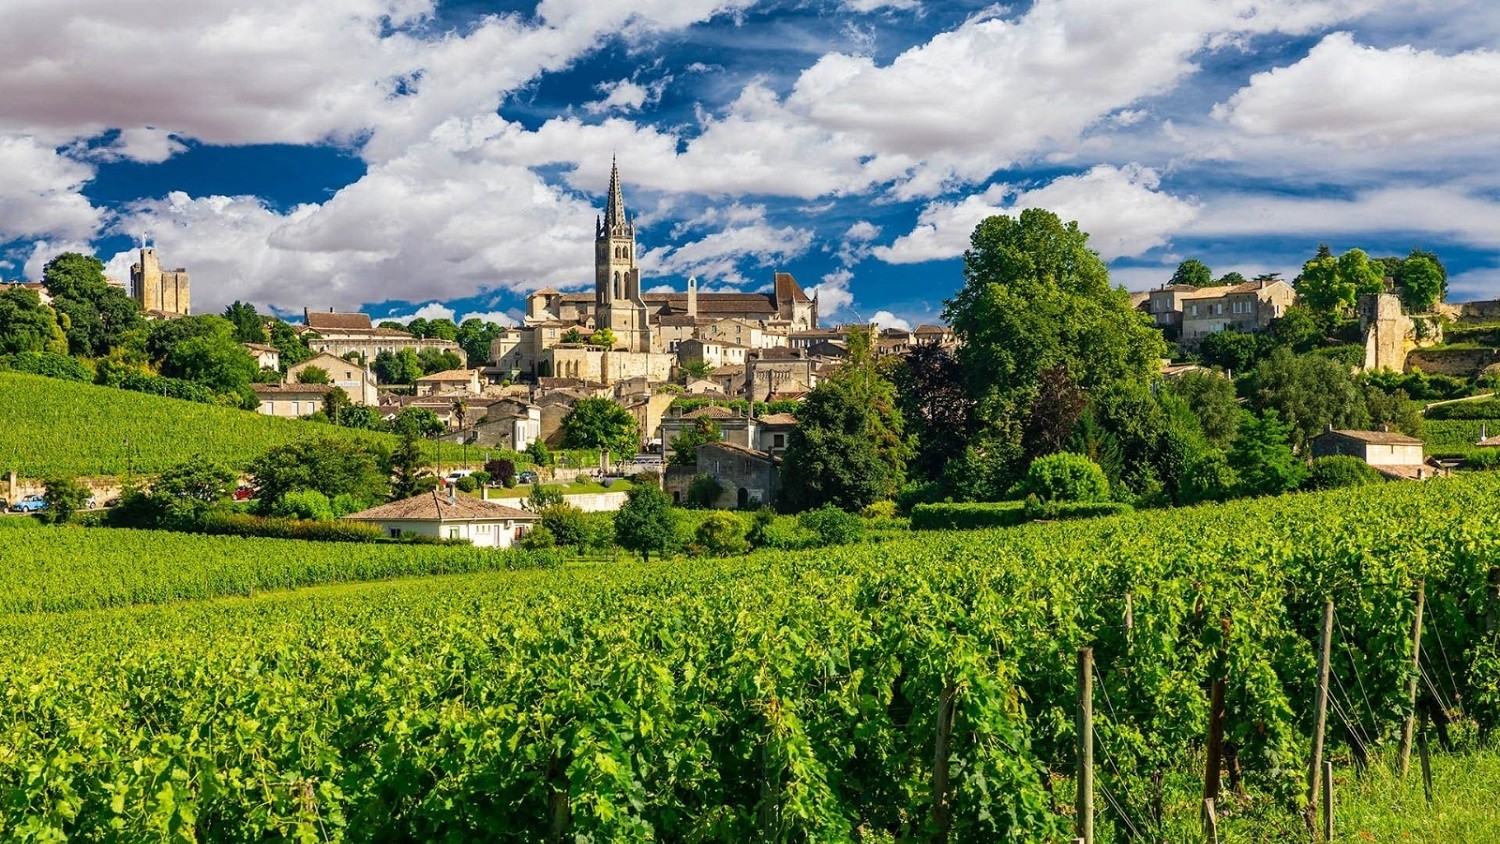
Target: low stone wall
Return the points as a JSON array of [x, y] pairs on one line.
[[1464, 363]]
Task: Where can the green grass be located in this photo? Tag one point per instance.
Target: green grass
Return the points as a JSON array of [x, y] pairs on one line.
[[575, 488], [51, 427], [1381, 807]]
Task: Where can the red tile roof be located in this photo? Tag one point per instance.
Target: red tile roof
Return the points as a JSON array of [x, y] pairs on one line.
[[438, 507]]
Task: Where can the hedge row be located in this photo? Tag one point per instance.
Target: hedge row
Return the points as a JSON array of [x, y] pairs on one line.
[[968, 516], [972, 516], [240, 524], [1487, 409]]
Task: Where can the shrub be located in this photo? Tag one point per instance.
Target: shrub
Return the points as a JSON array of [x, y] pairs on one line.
[[65, 496], [304, 504], [568, 525], [503, 471], [967, 516], [722, 534], [1340, 471], [467, 484], [49, 364], [538, 538], [833, 526], [1065, 477], [1484, 458], [240, 524], [481, 477], [704, 491], [880, 510]]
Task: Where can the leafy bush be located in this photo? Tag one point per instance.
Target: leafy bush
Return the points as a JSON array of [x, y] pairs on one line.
[[1065, 477], [950, 516], [65, 496], [48, 364], [1340, 471], [538, 538], [782, 533], [722, 534], [305, 504], [569, 526], [503, 471], [833, 526], [467, 483], [880, 510], [1484, 458]]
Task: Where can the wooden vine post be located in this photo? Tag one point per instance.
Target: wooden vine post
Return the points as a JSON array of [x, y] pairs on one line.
[[1494, 605], [1320, 712], [1409, 726], [1327, 801], [942, 812], [1426, 759], [1085, 803]]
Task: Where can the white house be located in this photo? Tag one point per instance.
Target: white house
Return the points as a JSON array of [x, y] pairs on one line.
[[449, 515]]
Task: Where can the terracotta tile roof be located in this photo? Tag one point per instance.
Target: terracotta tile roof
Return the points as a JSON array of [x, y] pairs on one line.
[[711, 411], [740, 450], [449, 375], [928, 328], [1376, 437], [728, 370], [437, 507], [545, 291], [261, 347], [676, 319], [291, 389], [788, 396], [317, 320], [1489, 442], [778, 419]]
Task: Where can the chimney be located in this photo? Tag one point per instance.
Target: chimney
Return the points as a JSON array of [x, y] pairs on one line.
[[1385, 428]]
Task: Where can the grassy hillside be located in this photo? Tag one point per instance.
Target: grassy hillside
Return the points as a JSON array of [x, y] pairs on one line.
[[50, 427]]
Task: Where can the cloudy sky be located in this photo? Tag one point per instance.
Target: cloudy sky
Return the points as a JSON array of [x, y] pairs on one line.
[[417, 156]]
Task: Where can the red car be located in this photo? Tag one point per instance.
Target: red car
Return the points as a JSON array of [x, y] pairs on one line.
[[244, 493]]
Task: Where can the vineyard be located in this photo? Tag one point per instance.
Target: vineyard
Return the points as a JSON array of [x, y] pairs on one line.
[[917, 689], [51, 427]]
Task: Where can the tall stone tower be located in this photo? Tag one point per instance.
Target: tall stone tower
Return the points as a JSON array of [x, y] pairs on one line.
[[158, 290], [617, 281]]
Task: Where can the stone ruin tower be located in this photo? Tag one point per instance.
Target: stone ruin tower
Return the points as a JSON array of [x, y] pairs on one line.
[[156, 289]]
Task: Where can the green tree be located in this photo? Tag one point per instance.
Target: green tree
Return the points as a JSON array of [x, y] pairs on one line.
[[64, 497], [216, 362], [1229, 279], [336, 406], [184, 494], [408, 464], [97, 313], [601, 424], [475, 336], [569, 525], [603, 337], [572, 335], [1193, 272], [332, 467], [1422, 281], [1300, 329], [1262, 456], [685, 445], [1394, 408], [249, 327], [645, 523], [26, 325], [312, 375], [443, 328], [1212, 399], [420, 421], [290, 345], [722, 534], [692, 369], [830, 456], [401, 367], [1310, 392], [1333, 285], [936, 407], [436, 360], [1035, 296], [539, 453], [1064, 477], [1235, 351]]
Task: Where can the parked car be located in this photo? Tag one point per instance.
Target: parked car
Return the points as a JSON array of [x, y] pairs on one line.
[[29, 504], [4, 505], [526, 478], [244, 493]]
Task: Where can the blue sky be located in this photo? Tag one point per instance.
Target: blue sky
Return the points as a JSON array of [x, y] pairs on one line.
[[444, 158]]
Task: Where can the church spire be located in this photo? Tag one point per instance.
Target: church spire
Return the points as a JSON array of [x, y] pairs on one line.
[[615, 222]]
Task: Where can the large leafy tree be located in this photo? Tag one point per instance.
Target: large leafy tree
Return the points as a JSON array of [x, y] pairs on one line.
[[1263, 457], [249, 326], [1332, 285], [830, 456], [332, 467], [475, 336], [1034, 297], [97, 312], [1212, 399], [292, 348], [1193, 272], [1309, 392], [401, 367], [26, 325], [1423, 282], [1055, 412], [601, 424], [645, 523], [935, 406]]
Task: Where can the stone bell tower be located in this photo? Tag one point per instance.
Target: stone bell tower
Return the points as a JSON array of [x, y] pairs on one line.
[[155, 289], [617, 281]]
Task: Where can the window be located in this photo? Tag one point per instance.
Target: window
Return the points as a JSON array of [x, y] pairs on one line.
[[453, 533], [778, 440], [1195, 310], [395, 533]]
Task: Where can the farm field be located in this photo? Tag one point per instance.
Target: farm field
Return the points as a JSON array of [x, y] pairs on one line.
[[1455, 436], [52, 427], [781, 696]]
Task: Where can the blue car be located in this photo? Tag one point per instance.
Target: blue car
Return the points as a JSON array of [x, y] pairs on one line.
[[29, 504]]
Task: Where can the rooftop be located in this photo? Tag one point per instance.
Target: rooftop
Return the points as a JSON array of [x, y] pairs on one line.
[[1376, 437], [438, 507]]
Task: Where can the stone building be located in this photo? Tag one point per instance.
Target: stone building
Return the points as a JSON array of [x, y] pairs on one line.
[[339, 334], [166, 292], [1391, 453], [1242, 307], [749, 478], [357, 382]]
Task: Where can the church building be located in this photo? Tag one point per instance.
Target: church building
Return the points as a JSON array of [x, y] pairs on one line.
[[650, 324]]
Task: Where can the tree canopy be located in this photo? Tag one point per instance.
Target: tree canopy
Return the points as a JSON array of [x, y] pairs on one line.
[[1193, 272], [645, 523], [1331, 285], [97, 312], [26, 325], [601, 424]]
